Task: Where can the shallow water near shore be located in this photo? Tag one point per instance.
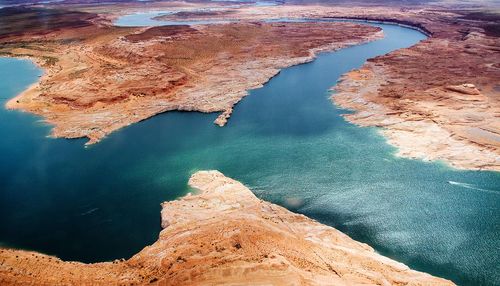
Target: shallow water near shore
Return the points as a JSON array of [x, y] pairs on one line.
[[286, 141]]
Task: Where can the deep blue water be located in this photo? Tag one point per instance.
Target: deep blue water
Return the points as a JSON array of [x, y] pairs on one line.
[[286, 141]]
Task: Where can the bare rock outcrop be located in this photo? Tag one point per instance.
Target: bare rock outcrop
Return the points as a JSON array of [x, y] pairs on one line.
[[466, 88], [225, 235], [99, 78]]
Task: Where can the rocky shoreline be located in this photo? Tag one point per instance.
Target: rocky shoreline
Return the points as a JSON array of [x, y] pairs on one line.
[[450, 112], [223, 234], [414, 134], [99, 78], [407, 93]]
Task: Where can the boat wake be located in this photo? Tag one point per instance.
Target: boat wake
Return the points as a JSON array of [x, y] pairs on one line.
[[472, 187], [89, 211]]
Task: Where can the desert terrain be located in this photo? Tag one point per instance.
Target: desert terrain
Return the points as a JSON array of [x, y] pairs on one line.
[[437, 100], [99, 78], [223, 234]]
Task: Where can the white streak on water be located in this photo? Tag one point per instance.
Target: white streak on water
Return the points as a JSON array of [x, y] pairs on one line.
[[89, 212], [472, 187]]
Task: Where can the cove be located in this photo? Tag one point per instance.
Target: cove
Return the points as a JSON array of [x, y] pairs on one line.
[[286, 141]]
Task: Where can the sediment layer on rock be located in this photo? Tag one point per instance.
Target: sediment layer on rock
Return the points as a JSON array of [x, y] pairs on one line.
[[99, 78], [225, 235]]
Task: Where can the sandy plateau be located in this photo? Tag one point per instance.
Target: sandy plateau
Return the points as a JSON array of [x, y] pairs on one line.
[[437, 100], [225, 235], [99, 78]]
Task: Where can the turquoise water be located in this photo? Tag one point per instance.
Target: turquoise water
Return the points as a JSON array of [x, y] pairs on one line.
[[146, 19], [286, 141]]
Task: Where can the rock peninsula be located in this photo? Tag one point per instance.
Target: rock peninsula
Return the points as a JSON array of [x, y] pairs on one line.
[[99, 78], [437, 100], [223, 234]]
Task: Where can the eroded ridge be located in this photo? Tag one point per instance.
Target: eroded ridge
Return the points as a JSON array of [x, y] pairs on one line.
[[99, 78], [224, 234]]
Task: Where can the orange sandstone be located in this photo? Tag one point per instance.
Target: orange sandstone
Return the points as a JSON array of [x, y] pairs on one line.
[[225, 235], [99, 78]]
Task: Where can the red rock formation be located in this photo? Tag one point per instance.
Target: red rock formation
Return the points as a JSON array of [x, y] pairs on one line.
[[101, 78]]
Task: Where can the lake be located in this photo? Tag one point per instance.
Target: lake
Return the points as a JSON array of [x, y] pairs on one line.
[[286, 141]]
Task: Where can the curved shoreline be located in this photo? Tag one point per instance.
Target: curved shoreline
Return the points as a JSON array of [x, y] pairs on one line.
[[401, 23], [420, 128], [418, 138], [256, 242], [203, 91]]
